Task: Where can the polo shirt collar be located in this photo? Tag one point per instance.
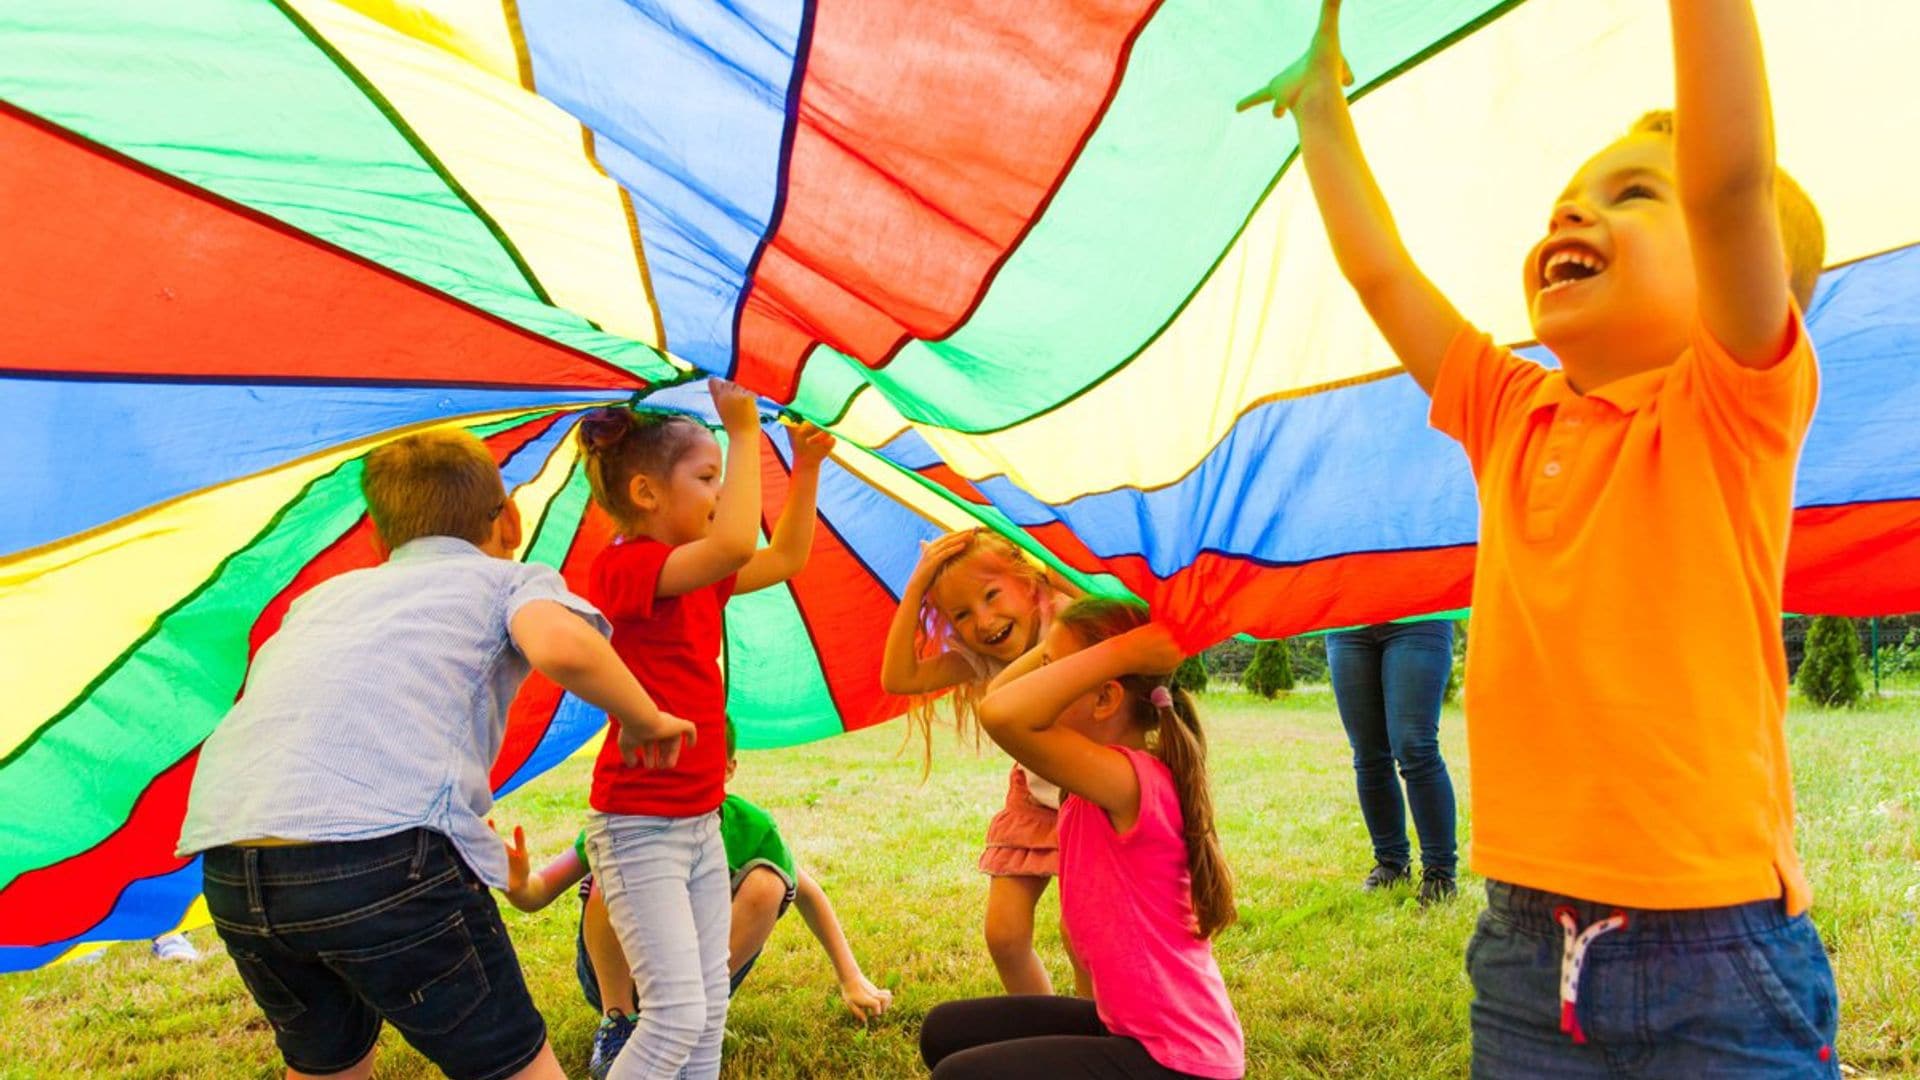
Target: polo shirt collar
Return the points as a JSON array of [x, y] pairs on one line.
[[427, 546], [1628, 395]]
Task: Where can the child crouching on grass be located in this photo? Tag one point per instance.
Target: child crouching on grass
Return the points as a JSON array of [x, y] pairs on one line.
[[1143, 884], [765, 882], [341, 804]]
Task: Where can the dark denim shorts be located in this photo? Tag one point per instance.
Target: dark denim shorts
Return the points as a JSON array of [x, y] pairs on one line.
[[1736, 991], [332, 939]]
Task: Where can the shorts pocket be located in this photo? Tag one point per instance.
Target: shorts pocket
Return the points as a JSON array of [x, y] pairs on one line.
[[1788, 976], [425, 983], [280, 1004]]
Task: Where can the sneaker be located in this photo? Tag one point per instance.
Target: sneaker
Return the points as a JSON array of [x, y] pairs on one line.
[[1386, 876], [175, 947], [1436, 887], [612, 1035]]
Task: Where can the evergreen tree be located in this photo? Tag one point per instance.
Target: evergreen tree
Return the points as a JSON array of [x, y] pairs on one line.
[[1192, 674], [1830, 668], [1271, 670]]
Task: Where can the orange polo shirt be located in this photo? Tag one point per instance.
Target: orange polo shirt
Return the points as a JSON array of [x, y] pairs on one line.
[[1626, 685]]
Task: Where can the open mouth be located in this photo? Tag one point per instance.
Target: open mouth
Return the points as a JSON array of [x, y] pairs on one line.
[[998, 636], [1569, 263]]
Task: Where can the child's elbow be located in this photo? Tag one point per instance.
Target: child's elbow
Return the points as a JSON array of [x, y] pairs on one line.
[[994, 716], [735, 552]]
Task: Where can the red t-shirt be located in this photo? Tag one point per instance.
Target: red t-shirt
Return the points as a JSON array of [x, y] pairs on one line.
[[672, 645]]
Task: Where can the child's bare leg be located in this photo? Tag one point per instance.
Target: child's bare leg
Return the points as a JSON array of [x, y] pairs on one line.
[[610, 969], [543, 1067], [1010, 904], [359, 1070], [756, 907]]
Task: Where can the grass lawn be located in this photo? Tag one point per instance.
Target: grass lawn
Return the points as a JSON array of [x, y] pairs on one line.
[[1329, 982]]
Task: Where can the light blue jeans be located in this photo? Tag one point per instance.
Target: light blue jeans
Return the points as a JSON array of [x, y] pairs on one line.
[[669, 898]]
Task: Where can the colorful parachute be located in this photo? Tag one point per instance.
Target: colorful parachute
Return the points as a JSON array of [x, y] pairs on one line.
[[1023, 257]]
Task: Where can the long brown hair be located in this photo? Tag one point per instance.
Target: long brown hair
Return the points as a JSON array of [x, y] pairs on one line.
[[934, 634], [1175, 737]]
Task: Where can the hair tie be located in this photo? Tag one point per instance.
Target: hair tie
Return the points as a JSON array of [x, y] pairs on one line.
[[1161, 697]]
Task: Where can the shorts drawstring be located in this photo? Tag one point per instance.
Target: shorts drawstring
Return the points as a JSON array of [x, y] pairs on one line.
[[1573, 957]]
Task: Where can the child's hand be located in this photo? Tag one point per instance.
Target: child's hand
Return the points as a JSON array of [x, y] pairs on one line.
[[518, 869], [864, 999], [935, 553], [1321, 63], [657, 745], [1150, 650], [735, 404], [810, 445]]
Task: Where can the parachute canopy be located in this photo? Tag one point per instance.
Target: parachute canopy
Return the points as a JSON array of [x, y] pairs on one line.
[[1023, 258]]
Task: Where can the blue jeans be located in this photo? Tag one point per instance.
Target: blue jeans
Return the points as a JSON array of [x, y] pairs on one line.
[[1741, 991], [331, 939], [669, 898], [1388, 681]]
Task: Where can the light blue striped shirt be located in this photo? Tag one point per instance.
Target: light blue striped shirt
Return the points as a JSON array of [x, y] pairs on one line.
[[378, 707]]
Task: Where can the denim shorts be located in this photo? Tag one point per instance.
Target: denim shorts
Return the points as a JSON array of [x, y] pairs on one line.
[[1735, 991], [331, 939]]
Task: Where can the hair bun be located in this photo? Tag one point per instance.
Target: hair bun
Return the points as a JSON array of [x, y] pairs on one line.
[[603, 428]]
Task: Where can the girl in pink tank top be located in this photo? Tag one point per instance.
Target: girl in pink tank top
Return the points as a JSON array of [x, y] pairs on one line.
[[1143, 885]]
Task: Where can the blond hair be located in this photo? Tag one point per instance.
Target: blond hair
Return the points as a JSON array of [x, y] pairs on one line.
[[1801, 230], [1175, 737], [934, 634], [436, 483]]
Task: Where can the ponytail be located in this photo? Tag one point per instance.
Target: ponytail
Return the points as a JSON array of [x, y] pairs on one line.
[[1181, 744], [1175, 737]]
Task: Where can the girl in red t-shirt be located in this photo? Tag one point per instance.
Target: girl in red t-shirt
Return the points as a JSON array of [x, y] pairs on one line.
[[688, 527], [974, 604]]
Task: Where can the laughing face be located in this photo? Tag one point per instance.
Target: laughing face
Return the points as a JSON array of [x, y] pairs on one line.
[[994, 611], [1614, 268]]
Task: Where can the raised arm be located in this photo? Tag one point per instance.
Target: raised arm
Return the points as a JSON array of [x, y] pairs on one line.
[[792, 541], [863, 999], [730, 543], [1021, 716], [902, 671], [1723, 163], [567, 649], [1412, 314]]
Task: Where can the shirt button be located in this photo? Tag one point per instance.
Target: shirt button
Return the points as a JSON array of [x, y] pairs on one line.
[[1552, 469]]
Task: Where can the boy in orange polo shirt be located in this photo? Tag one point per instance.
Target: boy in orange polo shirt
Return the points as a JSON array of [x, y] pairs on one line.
[[1632, 806]]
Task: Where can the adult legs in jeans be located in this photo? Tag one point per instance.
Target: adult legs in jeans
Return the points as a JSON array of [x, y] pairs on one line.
[[1029, 1035], [667, 892], [1388, 681]]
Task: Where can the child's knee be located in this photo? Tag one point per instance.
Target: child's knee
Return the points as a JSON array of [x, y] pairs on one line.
[[1008, 934], [762, 890], [678, 1026]]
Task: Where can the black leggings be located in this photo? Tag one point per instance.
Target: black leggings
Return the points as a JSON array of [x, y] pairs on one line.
[[1050, 1038]]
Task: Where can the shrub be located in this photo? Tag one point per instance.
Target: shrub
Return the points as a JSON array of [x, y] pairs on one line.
[[1830, 669], [1270, 672], [1457, 673], [1192, 675]]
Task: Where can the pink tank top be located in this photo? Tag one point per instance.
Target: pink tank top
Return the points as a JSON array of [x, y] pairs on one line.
[[1128, 908]]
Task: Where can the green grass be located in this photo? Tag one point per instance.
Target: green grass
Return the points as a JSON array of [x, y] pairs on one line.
[[1329, 982]]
